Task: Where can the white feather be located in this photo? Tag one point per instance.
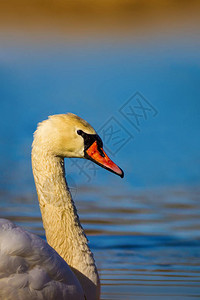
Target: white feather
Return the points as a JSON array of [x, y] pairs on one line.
[[30, 269]]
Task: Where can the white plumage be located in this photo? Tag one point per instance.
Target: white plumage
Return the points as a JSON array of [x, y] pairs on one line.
[[63, 269], [31, 270]]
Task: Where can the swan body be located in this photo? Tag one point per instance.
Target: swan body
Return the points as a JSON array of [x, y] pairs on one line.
[[31, 269]]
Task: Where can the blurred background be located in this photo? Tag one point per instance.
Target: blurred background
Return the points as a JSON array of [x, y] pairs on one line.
[[132, 70]]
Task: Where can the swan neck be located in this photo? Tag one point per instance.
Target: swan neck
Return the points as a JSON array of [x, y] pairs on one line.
[[60, 219]]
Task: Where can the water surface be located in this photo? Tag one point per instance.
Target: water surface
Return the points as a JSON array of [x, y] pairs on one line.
[[144, 230], [146, 243]]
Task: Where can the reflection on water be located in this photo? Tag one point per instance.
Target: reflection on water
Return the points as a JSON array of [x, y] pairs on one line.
[[146, 243]]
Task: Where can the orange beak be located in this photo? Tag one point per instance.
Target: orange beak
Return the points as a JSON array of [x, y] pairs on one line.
[[99, 156]]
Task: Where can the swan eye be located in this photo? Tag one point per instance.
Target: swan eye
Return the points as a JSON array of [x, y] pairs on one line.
[[79, 132]]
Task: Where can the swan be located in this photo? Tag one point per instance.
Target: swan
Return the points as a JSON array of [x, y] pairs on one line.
[[64, 267]]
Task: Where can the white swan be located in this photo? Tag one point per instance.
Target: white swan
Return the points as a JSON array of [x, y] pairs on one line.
[[31, 269]]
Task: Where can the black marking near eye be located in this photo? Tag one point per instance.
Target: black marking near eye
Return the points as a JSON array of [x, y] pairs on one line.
[[79, 132], [89, 139]]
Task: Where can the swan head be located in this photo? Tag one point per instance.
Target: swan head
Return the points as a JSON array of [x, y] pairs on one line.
[[67, 135]]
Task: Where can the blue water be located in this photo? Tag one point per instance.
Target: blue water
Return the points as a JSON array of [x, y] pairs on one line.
[[149, 222]]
